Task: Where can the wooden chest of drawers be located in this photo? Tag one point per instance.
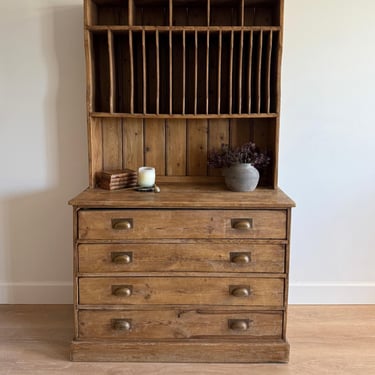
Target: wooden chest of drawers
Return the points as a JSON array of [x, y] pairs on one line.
[[183, 275]]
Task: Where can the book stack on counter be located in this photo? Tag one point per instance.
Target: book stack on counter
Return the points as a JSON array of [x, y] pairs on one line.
[[116, 179]]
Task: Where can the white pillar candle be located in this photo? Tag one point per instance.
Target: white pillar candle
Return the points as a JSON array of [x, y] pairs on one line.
[[146, 176]]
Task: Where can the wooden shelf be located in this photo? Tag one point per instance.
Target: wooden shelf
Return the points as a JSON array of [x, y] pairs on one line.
[[169, 80], [184, 72], [183, 13]]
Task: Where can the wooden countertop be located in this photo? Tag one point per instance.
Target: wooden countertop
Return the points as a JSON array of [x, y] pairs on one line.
[[184, 195]]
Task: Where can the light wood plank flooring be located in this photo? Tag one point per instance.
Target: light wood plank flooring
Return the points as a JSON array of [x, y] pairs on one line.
[[34, 339]]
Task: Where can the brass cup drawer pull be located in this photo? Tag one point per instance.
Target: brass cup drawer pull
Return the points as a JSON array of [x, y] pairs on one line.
[[239, 290], [122, 290], [240, 258], [238, 324], [121, 257], [122, 224], [121, 324], [242, 224]]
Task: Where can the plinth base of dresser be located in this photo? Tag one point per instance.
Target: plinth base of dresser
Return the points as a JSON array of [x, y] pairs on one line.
[[192, 351]]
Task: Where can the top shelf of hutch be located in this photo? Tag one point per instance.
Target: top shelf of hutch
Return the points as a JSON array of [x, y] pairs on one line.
[[240, 13]]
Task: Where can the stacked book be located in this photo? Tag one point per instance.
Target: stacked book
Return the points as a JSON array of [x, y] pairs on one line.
[[116, 179]]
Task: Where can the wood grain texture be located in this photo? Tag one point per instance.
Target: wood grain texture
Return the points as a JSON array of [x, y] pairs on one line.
[[179, 324], [178, 224], [176, 147], [204, 257], [188, 195]]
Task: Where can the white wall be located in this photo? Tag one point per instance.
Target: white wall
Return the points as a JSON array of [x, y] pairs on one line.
[[326, 150]]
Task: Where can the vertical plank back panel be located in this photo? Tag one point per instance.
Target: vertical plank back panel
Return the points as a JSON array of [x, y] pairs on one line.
[[176, 147], [112, 144], [155, 145], [95, 136], [240, 132], [197, 147], [133, 143], [218, 134]]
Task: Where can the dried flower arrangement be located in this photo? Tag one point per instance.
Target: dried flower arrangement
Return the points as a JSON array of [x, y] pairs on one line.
[[247, 153]]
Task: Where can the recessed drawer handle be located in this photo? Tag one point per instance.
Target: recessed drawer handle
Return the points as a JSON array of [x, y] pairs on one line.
[[242, 224], [122, 290], [122, 224], [239, 324], [122, 324], [121, 257], [239, 290], [240, 258]]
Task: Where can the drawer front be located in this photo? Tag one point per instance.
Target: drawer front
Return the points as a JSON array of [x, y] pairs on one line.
[[201, 257], [157, 224], [182, 291], [179, 324]]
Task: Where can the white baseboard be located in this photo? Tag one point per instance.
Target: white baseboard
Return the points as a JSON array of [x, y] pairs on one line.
[[299, 293], [332, 293], [36, 293]]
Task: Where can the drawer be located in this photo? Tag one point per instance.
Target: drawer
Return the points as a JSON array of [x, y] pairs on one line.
[[198, 257], [181, 291], [163, 224], [179, 324]]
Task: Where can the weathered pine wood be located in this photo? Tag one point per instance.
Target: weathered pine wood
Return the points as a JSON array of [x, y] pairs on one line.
[[144, 75], [265, 292], [95, 135], [197, 147], [185, 195], [112, 144], [99, 224], [176, 148], [131, 58], [155, 144], [219, 352], [112, 77], [178, 324], [206, 257], [194, 272], [133, 143]]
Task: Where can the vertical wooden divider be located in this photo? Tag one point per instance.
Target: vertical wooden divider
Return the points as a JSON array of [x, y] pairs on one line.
[[268, 76], [170, 74], [131, 57], [170, 18], [249, 72], [240, 74], [219, 72], [144, 71], [231, 71], [131, 12], [259, 71], [183, 71], [242, 13], [195, 71], [157, 72], [207, 70], [90, 71], [112, 78], [208, 12]]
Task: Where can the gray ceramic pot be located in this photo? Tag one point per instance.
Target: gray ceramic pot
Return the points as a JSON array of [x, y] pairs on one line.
[[241, 177]]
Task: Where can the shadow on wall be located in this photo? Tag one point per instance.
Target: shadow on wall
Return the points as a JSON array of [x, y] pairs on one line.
[[38, 249]]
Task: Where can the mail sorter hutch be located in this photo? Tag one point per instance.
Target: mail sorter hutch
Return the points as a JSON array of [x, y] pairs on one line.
[[196, 272]]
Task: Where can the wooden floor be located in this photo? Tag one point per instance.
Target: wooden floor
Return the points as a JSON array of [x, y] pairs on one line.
[[34, 339]]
